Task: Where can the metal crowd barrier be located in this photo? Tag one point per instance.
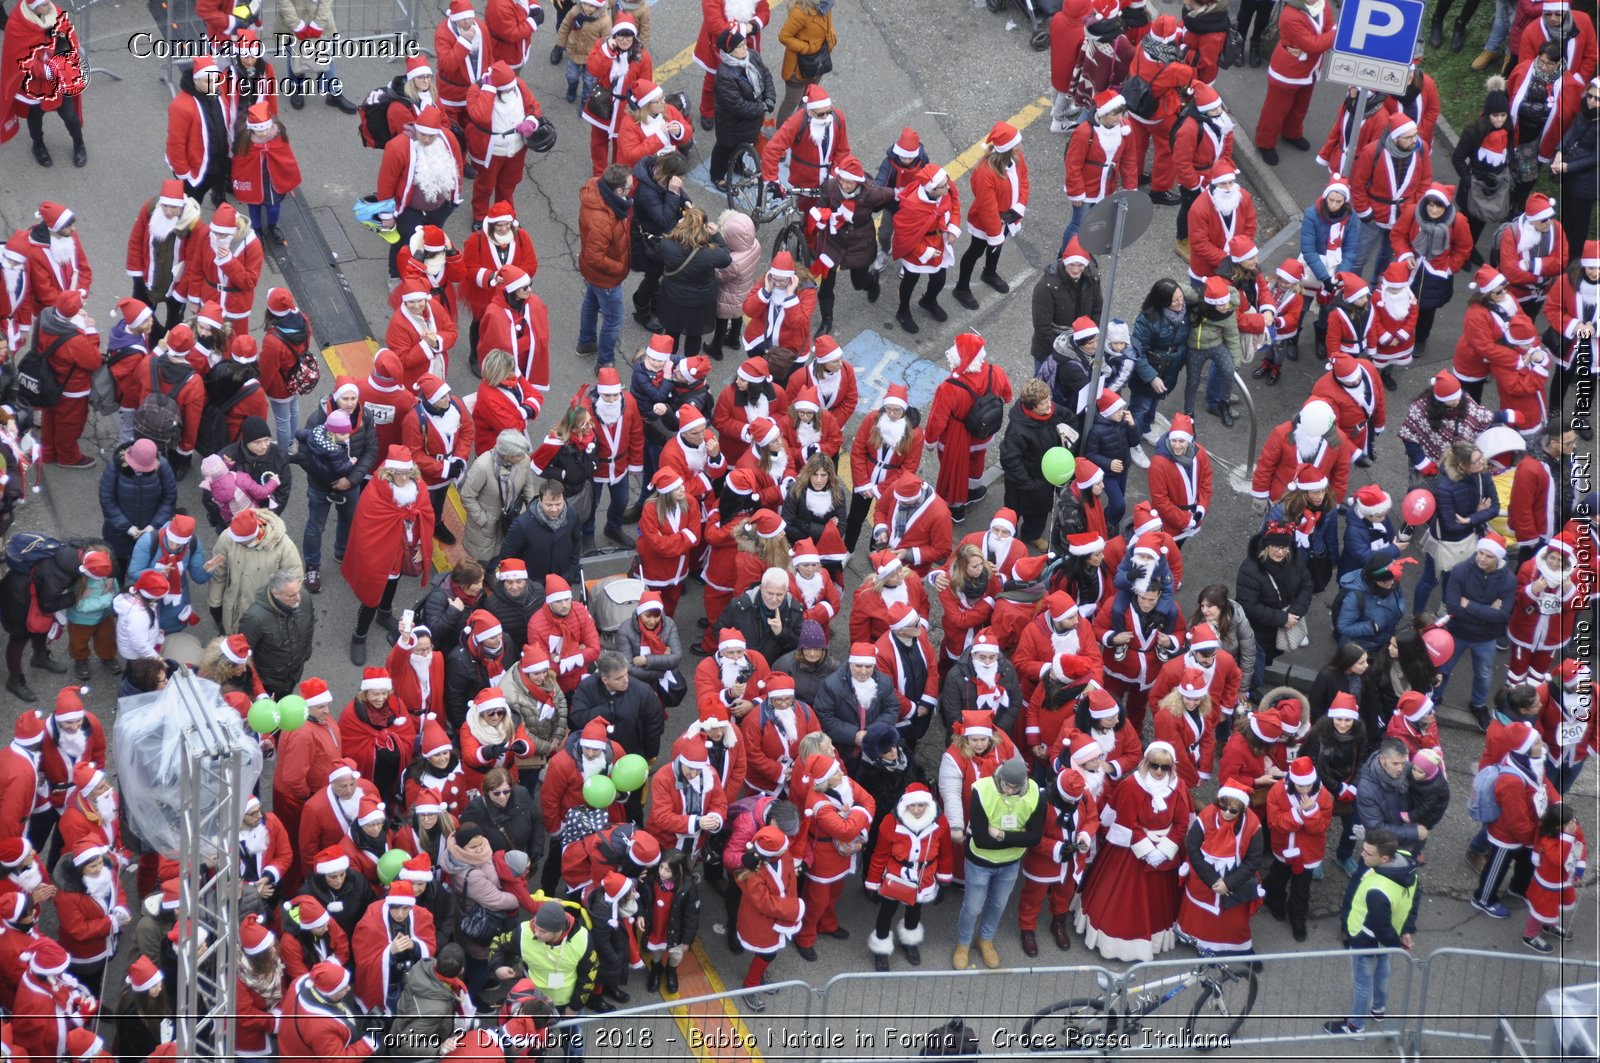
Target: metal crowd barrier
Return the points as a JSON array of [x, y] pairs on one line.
[[81, 14], [1466, 995], [717, 1026]]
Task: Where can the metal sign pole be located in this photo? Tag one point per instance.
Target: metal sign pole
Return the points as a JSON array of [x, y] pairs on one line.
[[1105, 309], [1347, 165]]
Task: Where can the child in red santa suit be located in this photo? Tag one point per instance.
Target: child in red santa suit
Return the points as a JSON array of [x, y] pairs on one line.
[[1559, 857], [910, 861], [1551, 593], [1056, 865], [1299, 811], [770, 908]]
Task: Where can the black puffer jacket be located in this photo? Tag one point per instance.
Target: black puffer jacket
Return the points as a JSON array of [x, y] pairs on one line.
[[515, 826], [840, 714], [545, 549], [741, 105], [1270, 592], [54, 581], [280, 640], [655, 212], [634, 714], [1058, 301], [514, 613], [744, 613], [1022, 452], [130, 499]]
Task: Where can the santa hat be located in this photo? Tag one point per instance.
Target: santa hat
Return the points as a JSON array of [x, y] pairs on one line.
[[931, 177], [29, 728], [607, 382], [1164, 29], [69, 705], [862, 653], [908, 145], [755, 370], [1487, 280], [489, 699], [1193, 685], [171, 895], [308, 912], [816, 98], [398, 457], [434, 738], [1292, 270], [1102, 706], [332, 860], [47, 958], [1081, 749], [1520, 738], [1074, 253], [1004, 518], [650, 602], [885, 563], [1218, 292], [236, 648], [897, 395], [805, 553], [179, 341], [1107, 101], [779, 684], [244, 350], [172, 193], [1414, 705], [1346, 369], [556, 589], [902, 616], [1539, 207], [665, 481], [763, 431], [695, 369], [1572, 673], [1371, 501], [15, 852], [1085, 474], [1145, 518], [152, 585], [1241, 248], [328, 978], [1352, 286], [1267, 725], [1110, 403], [969, 351], [513, 278], [225, 220], [1446, 386], [1059, 605], [985, 641], [259, 119], [210, 314], [689, 753], [625, 23], [1302, 771], [376, 679], [1204, 637], [315, 692], [96, 564], [1206, 98], [1182, 427], [143, 975], [86, 777], [977, 723], [1309, 478], [768, 524], [1084, 543], [1521, 333], [1401, 125], [1591, 255], [255, 938], [342, 768], [1494, 543], [1084, 328], [1556, 6], [909, 488], [86, 852], [644, 91], [1003, 137], [596, 734], [57, 218], [769, 841], [461, 10], [370, 810], [1238, 789], [134, 313]]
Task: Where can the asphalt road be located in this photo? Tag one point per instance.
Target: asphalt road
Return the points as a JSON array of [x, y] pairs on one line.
[[945, 67]]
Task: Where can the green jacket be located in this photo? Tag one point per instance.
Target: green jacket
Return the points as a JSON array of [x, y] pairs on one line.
[[1205, 333], [425, 1015]]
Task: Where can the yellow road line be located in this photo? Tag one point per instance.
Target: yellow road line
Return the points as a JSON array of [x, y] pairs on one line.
[[743, 1037], [665, 72], [1021, 120]]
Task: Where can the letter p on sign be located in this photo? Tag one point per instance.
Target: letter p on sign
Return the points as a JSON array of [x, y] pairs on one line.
[[1376, 19]]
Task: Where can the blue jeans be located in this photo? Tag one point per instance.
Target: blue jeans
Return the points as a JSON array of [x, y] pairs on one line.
[[317, 503], [617, 502], [1370, 989], [1385, 253], [1143, 407], [1116, 487], [987, 891], [1431, 578], [575, 79], [1072, 227], [606, 305], [1482, 669], [272, 212], [285, 419], [1562, 776], [1500, 28], [1219, 380]]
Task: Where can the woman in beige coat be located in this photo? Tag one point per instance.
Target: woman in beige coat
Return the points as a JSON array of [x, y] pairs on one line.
[[807, 29], [248, 562], [491, 479], [735, 280]]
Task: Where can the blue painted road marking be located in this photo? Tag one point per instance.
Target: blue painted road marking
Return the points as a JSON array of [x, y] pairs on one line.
[[879, 362]]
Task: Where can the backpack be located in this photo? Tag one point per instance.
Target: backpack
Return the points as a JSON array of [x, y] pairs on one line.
[[1338, 604], [1482, 807], [26, 549], [375, 131], [1494, 244], [36, 383], [103, 391], [302, 377], [1142, 103], [987, 412], [213, 434], [159, 418]]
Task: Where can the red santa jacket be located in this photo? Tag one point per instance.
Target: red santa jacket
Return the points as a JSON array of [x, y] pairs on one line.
[[458, 65], [525, 334], [822, 437], [563, 783], [13, 943], [1572, 303], [836, 832], [49, 278], [921, 226], [480, 123], [1522, 802], [1180, 496], [927, 532], [483, 259], [1357, 410], [1484, 338], [17, 306], [633, 143], [305, 756], [511, 29], [262, 162], [1522, 382], [323, 822], [1445, 264], [730, 419], [1529, 274], [1299, 837], [1579, 46], [911, 857], [1191, 738], [718, 15], [994, 193], [1568, 737], [962, 616], [572, 642], [840, 400], [605, 68], [1280, 457], [231, 281], [1210, 232], [669, 822], [271, 848], [370, 948], [360, 739], [74, 362], [1197, 148], [334, 945], [189, 144], [771, 910], [810, 163], [869, 610], [434, 440], [45, 1013], [770, 752], [874, 471], [1302, 42], [405, 338], [779, 319], [1223, 680], [820, 604], [311, 1028], [1090, 174], [619, 447], [398, 169], [1055, 857], [665, 546], [891, 665], [57, 765], [88, 927], [1533, 514], [1545, 620], [1382, 190], [142, 256], [1037, 650]]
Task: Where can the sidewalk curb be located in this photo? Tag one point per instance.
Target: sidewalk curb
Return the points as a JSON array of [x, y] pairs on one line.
[[1275, 195]]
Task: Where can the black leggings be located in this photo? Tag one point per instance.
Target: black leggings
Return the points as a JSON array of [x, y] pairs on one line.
[[886, 909], [860, 506], [1186, 200], [688, 344], [367, 614], [14, 647], [1257, 11], [722, 153], [862, 280], [1442, 8], [1425, 325], [69, 118], [908, 284], [990, 253]]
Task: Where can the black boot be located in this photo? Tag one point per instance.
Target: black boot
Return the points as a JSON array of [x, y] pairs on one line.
[[964, 296], [672, 980], [1458, 36], [1255, 53], [443, 534], [652, 983], [995, 281], [1436, 34], [18, 686], [904, 319], [358, 650], [80, 154], [933, 308], [41, 154]]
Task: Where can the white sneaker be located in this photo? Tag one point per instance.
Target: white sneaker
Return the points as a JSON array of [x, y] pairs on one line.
[[1058, 126], [1139, 457]]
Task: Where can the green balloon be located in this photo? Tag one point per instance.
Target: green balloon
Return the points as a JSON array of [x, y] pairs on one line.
[[390, 865], [599, 791], [630, 772], [291, 712], [263, 717], [1058, 464]]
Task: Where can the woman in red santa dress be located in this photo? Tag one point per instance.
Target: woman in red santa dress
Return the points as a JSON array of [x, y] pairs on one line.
[[961, 455], [437, 767], [1056, 864], [1129, 906], [967, 593], [911, 860], [810, 429], [1183, 721], [839, 814], [976, 751], [390, 538], [1559, 856], [1221, 885], [491, 737], [886, 446], [417, 673], [1552, 591], [377, 732], [770, 908], [499, 242], [260, 991], [320, 1018], [1139, 641], [768, 460], [51, 1005], [812, 586], [93, 910], [265, 852], [670, 528], [392, 936], [1047, 716], [1255, 752], [310, 936]]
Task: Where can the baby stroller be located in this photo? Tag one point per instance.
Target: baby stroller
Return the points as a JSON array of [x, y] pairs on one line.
[[1039, 13]]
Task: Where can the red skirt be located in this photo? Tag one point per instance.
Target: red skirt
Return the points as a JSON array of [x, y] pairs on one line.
[[1128, 910], [1547, 905], [1225, 930]]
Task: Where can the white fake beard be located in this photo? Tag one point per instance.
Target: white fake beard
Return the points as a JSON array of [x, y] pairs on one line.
[[819, 503], [435, 267], [609, 410], [1109, 139], [865, 690], [809, 435], [1397, 304], [64, 249], [1527, 237], [811, 589], [435, 169], [405, 494], [818, 129], [350, 806], [654, 126], [986, 673], [255, 838], [778, 465], [591, 766], [728, 672], [73, 743], [846, 793], [1065, 642], [162, 226], [890, 430], [106, 808], [1305, 443], [28, 878], [757, 408], [895, 595], [1225, 123], [1094, 781], [1226, 199], [101, 886], [1507, 303], [503, 241], [697, 782], [786, 720], [1106, 740], [694, 457]]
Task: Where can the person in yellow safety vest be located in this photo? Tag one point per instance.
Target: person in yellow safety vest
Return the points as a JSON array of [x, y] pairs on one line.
[[558, 957], [1005, 817], [1379, 912]]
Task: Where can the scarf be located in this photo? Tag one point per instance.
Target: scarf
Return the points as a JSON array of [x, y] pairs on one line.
[[650, 641], [1433, 237], [1223, 842], [1163, 52], [268, 984], [1158, 790]]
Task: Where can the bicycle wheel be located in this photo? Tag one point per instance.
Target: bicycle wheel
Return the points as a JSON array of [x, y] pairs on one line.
[[1081, 1023], [745, 187], [792, 238], [1227, 993]]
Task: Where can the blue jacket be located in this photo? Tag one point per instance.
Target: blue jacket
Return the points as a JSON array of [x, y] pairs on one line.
[[1324, 540], [1460, 498], [886, 169], [1479, 620], [145, 552], [1364, 537], [94, 605], [1365, 616], [131, 499], [1314, 241], [1158, 346], [322, 457], [1110, 441], [1580, 151]]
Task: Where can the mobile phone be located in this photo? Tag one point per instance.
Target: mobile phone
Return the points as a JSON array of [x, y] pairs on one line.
[[407, 617]]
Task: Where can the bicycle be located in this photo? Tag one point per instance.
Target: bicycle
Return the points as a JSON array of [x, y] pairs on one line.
[[1227, 994], [748, 193]]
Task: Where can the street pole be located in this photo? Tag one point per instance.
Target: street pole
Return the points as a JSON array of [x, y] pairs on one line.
[[1105, 310], [1347, 164]]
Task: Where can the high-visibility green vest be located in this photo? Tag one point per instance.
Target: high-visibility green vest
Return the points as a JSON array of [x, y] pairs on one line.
[[554, 968], [1401, 898], [996, 806]]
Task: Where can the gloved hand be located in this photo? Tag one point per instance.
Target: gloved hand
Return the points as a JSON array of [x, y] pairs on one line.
[[750, 861], [520, 747], [536, 15], [775, 190], [493, 752], [1428, 468], [1258, 505]]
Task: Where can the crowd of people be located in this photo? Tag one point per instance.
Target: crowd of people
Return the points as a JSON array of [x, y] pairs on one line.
[[460, 846]]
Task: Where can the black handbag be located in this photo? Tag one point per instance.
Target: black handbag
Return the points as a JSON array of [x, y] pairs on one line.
[[481, 925], [1232, 51], [816, 64]]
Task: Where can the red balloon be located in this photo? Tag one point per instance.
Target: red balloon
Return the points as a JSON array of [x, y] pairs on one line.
[[1441, 645], [1418, 506]]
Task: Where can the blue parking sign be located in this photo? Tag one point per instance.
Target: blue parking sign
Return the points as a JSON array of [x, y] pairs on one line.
[[1374, 42]]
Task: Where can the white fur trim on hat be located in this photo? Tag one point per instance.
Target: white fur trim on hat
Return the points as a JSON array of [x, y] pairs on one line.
[[334, 866], [1233, 792]]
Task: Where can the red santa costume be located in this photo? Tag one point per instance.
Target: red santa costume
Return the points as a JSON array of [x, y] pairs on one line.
[[618, 429], [257, 1004], [385, 400], [227, 267], [1095, 153], [813, 143], [421, 333], [1225, 850], [962, 766], [460, 42], [23, 788], [905, 663], [1304, 440], [500, 115], [520, 326], [1223, 212], [1299, 836], [1129, 907], [1529, 259], [732, 418], [419, 677], [999, 543], [961, 456], [687, 799], [926, 226], [305, 757], [885, 447], [1374, 122], [1559, 862], [966, 608], [92, 916], [911, 859], [1552, 592], [1392, 319], [1356, 394], [1386, 181], [1305, 33], [652, 134], [570, 767], [319, 1021], [1182, 721], [916, 525], [1199, 146], [997, 192], [17, 305], [836, 387], [836, 821], [1180, 491], [50, 1005], [1521, 372], [1058, 630], [302, 947], [810, 430], [1055, 865], [1220, 673], [62, 749], [1564, 702], [871, 602], [780, 310], [512, 24], [697, 458], [571, 640], [669, 531], [771, 910], [406, 174], [747, 16], [816, 592], [391, 533], [370, 948], [772, 736], [621, 70], [440, 443], [1563, 101], [328, 818], [498, 242]]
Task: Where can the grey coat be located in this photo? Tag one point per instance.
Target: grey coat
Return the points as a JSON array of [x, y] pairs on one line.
[[840, 714], [480, 497], [425, 1014], [656, 664], [1382, 801]]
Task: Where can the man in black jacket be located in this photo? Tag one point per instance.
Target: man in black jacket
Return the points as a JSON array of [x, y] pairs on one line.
[[852, 699], [628, 705], [548, 538], [985, 672], [513, 600], [473, 665], [767, 615], [280, 633]]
